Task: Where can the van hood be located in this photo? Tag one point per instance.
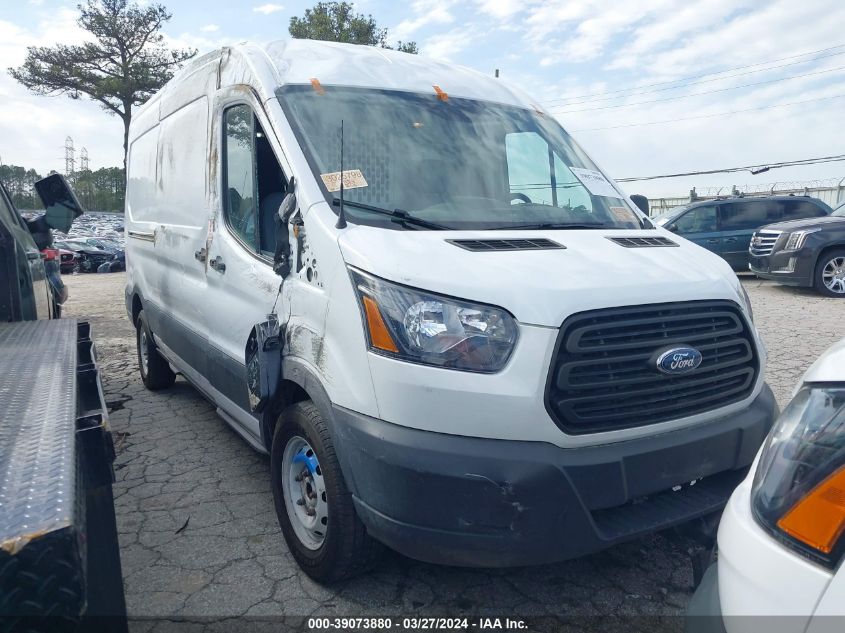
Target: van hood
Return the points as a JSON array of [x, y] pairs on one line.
[[806, 223], [543, 287]]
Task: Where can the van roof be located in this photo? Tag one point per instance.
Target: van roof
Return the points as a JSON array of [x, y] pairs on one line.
[[297, 61]]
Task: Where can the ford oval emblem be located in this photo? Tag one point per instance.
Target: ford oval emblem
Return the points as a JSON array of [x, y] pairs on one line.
[[679, 360]]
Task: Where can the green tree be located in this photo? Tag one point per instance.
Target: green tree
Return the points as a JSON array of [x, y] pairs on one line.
[[125, 64], [338, 22]]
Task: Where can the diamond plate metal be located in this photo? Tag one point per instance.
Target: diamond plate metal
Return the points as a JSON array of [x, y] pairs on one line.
[[37, 427]]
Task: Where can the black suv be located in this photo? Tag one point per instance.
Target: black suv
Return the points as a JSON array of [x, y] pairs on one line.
[[725, 225], [809, 252]]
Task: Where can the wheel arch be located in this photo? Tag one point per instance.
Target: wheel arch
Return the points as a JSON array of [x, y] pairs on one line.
[[299, 382]]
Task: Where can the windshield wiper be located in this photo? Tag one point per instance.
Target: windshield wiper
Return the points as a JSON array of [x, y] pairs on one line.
[[403, 217], [551, 225]]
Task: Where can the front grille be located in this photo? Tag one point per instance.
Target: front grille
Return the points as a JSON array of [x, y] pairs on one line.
[[763, 242], [518, 244], [604, 373]]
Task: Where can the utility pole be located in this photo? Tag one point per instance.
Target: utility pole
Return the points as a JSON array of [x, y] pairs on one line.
[[70, 158]]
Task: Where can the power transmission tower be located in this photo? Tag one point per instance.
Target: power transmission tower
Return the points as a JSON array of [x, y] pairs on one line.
[[70, 158], [83, 160]]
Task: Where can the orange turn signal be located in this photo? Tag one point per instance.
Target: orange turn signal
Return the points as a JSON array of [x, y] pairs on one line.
[[440, 94], [379, 336], [818, 519]]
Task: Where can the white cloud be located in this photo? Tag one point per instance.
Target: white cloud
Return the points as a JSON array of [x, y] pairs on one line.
[[446, 45], [426, 12], [209, 28], [33, 127], [501, 9], [268, 8]]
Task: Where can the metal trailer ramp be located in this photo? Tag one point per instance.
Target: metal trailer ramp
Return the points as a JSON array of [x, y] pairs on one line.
[[59, 556]]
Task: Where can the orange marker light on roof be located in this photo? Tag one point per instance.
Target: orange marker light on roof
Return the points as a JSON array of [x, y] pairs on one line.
[[379, 336], [440, 94], [318, 88], [818, 519]]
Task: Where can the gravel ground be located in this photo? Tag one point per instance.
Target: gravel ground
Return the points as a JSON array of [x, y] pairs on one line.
[[180, 466]]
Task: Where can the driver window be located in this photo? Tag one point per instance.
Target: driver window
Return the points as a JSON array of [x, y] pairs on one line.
[[529, 172], [699, 220], [571, 194], [240, 174], [255, 184]]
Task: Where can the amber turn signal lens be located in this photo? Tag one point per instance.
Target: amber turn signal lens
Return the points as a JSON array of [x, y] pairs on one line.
[[818, 519], [379, 336]]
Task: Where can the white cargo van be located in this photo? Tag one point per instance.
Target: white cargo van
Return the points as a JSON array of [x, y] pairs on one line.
[[471, 346]]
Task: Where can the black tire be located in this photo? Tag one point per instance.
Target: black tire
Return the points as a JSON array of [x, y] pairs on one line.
[[818, 280], [157, 374], [346, 550]]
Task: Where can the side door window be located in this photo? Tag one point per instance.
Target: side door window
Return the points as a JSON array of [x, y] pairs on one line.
[[254, 182], [750, 215], [239, 173], [536, 173], [798, 209], [698, 220]]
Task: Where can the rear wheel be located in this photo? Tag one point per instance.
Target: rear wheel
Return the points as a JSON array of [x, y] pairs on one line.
[[314, 507], [155, 371], [830, 274]]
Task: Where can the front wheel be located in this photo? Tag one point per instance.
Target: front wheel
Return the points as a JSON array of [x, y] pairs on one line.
[[155, 370], [313, 505], [830, 274]]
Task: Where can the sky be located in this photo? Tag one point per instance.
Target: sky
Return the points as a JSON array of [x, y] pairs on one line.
[[648, 87]]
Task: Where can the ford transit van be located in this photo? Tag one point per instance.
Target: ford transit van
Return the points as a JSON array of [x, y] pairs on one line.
[[451, 331]]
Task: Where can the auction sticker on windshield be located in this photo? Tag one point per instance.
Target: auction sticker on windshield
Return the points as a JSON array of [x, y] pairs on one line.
[[594, 181], [352, 179]]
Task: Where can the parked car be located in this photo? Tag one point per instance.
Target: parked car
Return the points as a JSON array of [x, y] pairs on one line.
[[725, 226], [67, 261], [782, 536], [808, 252], [482, 353], [89, 257], [25, 292]]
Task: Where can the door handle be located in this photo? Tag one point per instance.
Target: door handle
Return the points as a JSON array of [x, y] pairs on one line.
[[713, 241], [33, 255], [730, 239], [200, 255], [217, 264]]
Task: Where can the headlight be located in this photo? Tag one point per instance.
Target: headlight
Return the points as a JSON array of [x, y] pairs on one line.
[[799, 487], [747, 300], [796, 240], [422, 327]]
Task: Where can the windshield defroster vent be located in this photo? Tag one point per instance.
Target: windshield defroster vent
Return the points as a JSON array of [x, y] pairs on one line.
[[642, 242], [520, 244]]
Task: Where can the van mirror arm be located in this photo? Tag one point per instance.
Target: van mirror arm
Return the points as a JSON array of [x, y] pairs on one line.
[[281, 258]]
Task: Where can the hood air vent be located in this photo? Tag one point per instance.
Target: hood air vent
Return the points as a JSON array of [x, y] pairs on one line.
[[520, 244], [642, 242]]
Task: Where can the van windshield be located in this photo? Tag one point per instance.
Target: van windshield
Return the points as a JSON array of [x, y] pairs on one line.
[[435, 162]]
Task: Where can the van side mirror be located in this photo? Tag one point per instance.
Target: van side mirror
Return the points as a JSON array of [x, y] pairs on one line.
[[672, 227], [641, 202], [59, 201]]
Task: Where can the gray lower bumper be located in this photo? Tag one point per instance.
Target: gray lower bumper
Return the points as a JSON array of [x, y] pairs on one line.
[[704, 612]]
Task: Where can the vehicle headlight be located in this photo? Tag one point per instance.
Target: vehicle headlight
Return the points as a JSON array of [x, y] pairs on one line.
[[796, 239], [422, 327], [798, 493], [743, 293]]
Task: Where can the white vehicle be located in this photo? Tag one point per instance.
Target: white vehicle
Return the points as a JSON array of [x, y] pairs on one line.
[[782, 537], [487, 355]]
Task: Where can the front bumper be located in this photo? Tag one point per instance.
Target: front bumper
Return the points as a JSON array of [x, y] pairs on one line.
[[792, 268], [704, 611], [497, 503]]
